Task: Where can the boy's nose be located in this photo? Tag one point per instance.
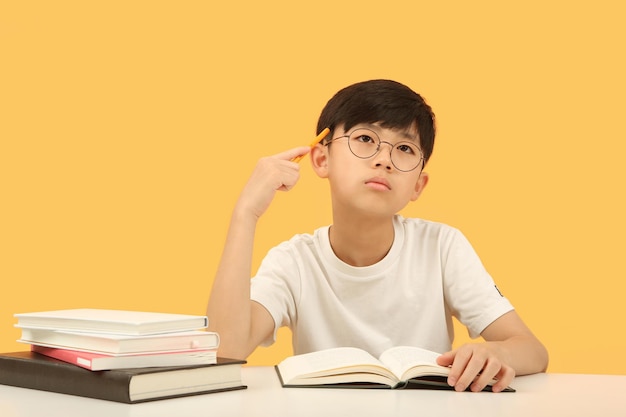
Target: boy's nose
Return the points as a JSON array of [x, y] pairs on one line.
[[382, 157]]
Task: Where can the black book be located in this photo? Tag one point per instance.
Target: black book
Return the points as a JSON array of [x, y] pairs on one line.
[[132, 385]]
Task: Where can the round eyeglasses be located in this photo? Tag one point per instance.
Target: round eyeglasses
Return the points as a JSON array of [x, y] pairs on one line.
[[365, 143]]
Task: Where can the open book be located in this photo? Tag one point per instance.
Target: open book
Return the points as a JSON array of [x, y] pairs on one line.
[[397, 368]]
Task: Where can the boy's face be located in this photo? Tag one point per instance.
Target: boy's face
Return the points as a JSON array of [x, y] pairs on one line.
[[373, 186]]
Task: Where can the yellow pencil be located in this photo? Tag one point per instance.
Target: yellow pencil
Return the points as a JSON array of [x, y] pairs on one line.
[[318, 138]]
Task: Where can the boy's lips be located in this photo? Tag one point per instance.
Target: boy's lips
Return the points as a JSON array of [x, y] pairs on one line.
[[378, 182]]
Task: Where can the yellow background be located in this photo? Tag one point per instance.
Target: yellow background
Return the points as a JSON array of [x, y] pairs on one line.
[[128, 128]]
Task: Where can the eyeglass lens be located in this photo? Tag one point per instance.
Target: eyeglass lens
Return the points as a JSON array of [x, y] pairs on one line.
[[365, 143]]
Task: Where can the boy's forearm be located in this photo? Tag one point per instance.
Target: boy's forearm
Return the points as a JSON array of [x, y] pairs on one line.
[[515, 344], [229, 303], [230, 310], [525, 354]]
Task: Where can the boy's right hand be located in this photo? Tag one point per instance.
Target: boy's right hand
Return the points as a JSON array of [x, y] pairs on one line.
[[271, 174]]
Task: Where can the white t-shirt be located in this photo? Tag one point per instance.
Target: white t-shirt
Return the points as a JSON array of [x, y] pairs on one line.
[[430, 274]]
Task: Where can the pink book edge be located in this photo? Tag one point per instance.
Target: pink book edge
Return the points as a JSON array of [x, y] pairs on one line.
[[84, 359]]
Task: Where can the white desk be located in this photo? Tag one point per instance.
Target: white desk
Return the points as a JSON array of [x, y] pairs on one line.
[[539, 395]]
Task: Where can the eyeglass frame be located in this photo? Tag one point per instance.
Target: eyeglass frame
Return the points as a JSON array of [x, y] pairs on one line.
[[380, 142]]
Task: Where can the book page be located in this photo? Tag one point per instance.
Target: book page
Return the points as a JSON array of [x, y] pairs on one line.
[[409, 361], [329, 362]]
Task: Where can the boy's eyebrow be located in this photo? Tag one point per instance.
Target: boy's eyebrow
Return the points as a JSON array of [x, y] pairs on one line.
[[406, 133], [410, 136]]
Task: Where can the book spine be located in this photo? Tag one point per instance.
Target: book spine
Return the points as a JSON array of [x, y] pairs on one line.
[[62, 378]]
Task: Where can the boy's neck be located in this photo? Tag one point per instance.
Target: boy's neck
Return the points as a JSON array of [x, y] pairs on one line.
[[361, 242]]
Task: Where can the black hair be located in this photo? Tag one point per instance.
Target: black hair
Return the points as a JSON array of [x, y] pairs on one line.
[[389, 103]]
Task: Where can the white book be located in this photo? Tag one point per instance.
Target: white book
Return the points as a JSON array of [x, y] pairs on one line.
[[111, 321], [121, 344]]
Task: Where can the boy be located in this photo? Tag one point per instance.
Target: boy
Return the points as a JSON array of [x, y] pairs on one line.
[[372, 279]]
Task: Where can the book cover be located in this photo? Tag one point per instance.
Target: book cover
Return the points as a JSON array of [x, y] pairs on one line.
[[111, 321], [31, 370], [121, 344], [101, 362]]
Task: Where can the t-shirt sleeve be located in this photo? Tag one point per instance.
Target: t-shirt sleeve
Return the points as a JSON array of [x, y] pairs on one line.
[[470, 291], [276, 287]]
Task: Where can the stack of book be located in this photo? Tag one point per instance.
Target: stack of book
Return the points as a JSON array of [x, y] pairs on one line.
[[124, 356]]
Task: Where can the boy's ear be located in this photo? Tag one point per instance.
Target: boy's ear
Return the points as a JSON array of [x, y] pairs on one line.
[[319, 160], [420, 185]]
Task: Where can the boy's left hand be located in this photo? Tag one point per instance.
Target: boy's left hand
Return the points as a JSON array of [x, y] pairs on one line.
[[474, 365]]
